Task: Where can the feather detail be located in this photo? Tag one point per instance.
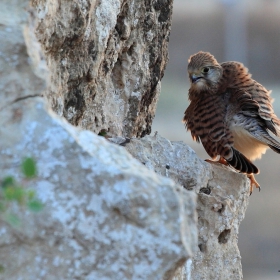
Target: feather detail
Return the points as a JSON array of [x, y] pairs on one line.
[[241, 163], [230, 113]]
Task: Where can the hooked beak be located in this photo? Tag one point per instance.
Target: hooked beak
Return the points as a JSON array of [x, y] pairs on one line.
[[194, 78]]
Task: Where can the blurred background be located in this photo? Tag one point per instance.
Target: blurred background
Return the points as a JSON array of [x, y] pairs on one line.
[[246, 31]]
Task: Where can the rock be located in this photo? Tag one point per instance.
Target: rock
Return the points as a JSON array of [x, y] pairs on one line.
[[223, 197], [220, 213], [17, 79], [106, 60], [106, 216], [174, 160]]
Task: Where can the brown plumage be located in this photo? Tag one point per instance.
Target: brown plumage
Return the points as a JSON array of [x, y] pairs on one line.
[[230, 113]]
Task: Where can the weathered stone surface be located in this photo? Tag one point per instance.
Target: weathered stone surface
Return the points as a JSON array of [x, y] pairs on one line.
[[220, 214], [175, 160], [17, 79], [222, 202], [106, 216], [106, 60]]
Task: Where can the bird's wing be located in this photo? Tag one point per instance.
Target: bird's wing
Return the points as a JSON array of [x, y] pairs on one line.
[[262, 96], [255, 116], [206, 119], [238, 78]]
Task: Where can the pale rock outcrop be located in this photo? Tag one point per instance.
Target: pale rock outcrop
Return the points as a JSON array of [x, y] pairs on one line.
[[223, 197], [106, 60], [17, 79], [106, 216]]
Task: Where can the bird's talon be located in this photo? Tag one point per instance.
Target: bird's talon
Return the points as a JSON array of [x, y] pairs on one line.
[[221, 161], [253, 183]]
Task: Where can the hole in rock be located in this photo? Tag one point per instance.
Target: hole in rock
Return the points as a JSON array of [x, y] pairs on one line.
[[221, 209], [205, 191], [224, 236], [202, 247]]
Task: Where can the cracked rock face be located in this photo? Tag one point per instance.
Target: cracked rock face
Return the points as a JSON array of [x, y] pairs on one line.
[[219, 215], [17, 79], [106, 60], [106, 216], [223, 198]]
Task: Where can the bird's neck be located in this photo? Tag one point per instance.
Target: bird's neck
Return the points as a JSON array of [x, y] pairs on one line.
[[196, 93]]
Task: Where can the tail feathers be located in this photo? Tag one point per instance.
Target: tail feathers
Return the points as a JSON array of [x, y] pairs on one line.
[[241, 163]]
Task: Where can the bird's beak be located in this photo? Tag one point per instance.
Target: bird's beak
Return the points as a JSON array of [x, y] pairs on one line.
[[194, 78]]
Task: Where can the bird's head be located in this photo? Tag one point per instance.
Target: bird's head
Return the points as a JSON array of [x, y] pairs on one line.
[[204, 72]]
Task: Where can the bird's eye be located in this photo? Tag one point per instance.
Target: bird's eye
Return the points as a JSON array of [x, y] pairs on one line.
[[205, 70]]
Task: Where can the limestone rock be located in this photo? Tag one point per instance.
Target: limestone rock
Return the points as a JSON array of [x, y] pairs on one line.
[[222, 201], [106, 216], [220, 213], [106, 60], [17, 79]]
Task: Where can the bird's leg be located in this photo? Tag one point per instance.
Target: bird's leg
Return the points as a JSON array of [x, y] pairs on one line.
[[253, 183], [221, 160]]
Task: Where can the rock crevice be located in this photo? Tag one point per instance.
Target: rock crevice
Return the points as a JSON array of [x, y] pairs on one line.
[[106, 60]]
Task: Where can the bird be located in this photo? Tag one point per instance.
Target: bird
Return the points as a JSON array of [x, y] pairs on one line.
[[230, 114]]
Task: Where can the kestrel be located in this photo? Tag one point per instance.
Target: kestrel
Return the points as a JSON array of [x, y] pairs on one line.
[[230, 113]]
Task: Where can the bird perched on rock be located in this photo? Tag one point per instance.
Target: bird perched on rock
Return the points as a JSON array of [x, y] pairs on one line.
[[230, 113]]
